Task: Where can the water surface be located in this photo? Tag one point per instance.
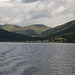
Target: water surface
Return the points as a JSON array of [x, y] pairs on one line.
[[37, 59]]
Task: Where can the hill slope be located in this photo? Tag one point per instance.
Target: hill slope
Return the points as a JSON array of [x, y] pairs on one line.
[[70, 37], [59, 30], [10, 36], [28, 30]]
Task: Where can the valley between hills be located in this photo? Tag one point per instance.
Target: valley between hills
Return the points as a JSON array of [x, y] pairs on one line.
[[38, 33]]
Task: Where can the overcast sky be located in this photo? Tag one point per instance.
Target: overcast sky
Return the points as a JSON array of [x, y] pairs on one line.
[[28, 12]]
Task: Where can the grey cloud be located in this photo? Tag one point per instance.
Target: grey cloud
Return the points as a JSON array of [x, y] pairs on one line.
[[48, 12], [28, 1], [40, 14]]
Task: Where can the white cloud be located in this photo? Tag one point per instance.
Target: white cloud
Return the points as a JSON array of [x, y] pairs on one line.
[[16, 20], [6, 19], [48, 12], [58, 10], [4, 0]]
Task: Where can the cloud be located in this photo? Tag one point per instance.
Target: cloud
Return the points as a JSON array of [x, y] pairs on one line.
[[4, 0], [28, 1], [28, 12], [5, 19], [58, 10]]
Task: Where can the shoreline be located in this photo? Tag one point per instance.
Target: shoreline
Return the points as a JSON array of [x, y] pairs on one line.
[[38, 42]]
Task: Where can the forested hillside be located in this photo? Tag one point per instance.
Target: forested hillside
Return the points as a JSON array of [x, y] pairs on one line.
[[59, 30]]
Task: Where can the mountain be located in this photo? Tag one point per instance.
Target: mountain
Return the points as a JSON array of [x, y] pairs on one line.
[[31, 30], [10, 36], [18, 33], [59, 30]]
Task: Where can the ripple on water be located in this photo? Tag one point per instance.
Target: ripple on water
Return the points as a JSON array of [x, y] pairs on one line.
[[37, 59]]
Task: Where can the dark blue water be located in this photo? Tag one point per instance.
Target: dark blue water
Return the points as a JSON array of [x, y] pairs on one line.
[[37, 59]]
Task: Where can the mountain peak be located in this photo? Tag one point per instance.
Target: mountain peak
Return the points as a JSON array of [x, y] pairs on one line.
[[40, 25]]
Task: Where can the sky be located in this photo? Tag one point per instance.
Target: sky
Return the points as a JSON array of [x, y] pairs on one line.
[[28, 12]]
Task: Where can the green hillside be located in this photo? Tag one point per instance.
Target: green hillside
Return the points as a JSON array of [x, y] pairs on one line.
[[18, 33], [31, 30], [10, 36], [69, 38], [59, 30]]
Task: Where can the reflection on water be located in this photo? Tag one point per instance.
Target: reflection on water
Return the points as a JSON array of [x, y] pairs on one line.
[[37, 59]]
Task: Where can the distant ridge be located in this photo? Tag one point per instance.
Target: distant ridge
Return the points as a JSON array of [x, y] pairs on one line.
[[31, 30]]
